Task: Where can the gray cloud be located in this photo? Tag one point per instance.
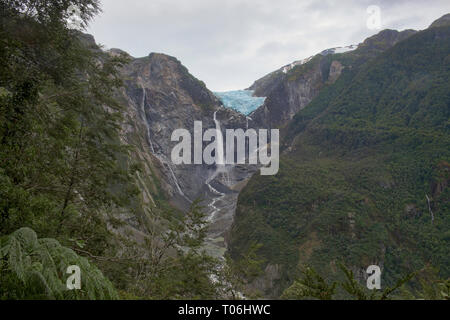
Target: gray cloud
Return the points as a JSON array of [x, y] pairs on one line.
[[229, 44]]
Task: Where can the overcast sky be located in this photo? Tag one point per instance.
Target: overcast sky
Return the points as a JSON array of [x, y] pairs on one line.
[[230, 43]]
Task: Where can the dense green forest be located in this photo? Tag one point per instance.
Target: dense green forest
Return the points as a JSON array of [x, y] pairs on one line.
[[364, 173], [65, 175], [359, 164]]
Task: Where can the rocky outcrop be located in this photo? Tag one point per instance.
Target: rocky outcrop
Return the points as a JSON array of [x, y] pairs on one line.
[[162, 96], [290, 88], [380, 42], [335, 71], [166, 97], [290, 91]]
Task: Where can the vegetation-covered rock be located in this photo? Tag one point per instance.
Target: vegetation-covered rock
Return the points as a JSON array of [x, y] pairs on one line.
[[360, 169]]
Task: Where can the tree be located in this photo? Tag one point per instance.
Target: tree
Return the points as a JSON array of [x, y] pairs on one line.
[[176, 265], [60, 154], [236, 274], [33, 268], [313, 286]]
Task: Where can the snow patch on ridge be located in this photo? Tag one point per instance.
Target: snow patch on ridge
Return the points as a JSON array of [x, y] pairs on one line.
[[295, 63], [339, 49]]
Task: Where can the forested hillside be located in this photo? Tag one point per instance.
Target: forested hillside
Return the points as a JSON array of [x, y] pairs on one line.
[[364, 173], [78, 184], [86, 177]]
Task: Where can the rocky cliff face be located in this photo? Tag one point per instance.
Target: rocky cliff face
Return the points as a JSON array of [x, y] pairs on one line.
[[166, 97], [290, 88], [288, 91], [162, 96]]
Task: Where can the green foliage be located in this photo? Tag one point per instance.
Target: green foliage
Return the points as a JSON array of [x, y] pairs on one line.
[[444, 289], [355, 289], [238, 273], [429, 287], [63, 168], [33, 268], [313, 286], [177, 266], [65, 173], [59, 125], [358, 165]]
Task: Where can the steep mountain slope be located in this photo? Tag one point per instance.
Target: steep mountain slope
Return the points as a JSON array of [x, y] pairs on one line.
[[365, 171], [166, 97], [292, 87], [161, 96], [441, 22]]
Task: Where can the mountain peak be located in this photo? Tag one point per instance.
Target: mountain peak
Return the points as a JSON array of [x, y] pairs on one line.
[[384, 40], [162, 57], [441, 22]]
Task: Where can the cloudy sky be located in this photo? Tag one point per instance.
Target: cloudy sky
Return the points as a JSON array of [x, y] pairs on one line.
[[230, 43]]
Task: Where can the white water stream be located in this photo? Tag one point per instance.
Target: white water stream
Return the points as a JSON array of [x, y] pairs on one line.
[[144, 118], [220, 162], [159, 156], [220, 168]]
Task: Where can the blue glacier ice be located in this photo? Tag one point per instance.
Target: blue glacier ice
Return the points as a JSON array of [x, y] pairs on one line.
[[240, 100]]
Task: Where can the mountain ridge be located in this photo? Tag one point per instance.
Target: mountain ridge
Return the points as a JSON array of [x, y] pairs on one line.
[[357, 166], [288, 91]]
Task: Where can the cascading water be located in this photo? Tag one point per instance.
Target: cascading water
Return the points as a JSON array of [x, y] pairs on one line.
[[219, 204], [159, 156], [220, 162], [212, 204], [220, 167], [144, 117], [175, 180]]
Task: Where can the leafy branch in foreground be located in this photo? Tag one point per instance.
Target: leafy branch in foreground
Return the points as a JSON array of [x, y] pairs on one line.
[[238, 273], [355, 289], [33, 268], [63, 168], [313, 286], [176, 265]]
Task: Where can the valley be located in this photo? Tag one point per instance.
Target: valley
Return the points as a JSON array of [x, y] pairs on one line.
[[153, 186], [225, 188]]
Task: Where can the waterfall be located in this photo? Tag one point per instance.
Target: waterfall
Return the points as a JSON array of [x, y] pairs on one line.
[[220, 163], [218, 201], [246, 120], [220, 168], [219, 143], [175, 180], [144, 117], [212, 204], [160, 157]]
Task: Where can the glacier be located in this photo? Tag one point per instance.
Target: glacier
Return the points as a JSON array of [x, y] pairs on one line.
[[242, 101]]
